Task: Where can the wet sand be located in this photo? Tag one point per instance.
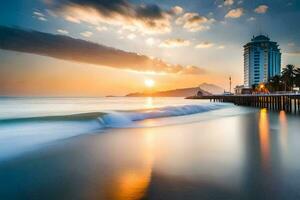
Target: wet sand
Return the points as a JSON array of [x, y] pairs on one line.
[[249, 156]]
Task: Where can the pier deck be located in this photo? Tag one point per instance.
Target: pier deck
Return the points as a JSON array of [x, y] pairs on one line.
[[286, 102]]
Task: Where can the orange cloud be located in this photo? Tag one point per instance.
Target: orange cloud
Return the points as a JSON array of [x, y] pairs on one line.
[[261, 9], [146, 18], [67, 48], [177, 42], [204, 45], [228, 2], [235, 13], [194, 22]]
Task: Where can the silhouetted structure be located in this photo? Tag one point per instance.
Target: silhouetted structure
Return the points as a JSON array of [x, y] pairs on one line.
[[286, 102]]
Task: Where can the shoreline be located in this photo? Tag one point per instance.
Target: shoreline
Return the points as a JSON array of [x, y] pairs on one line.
[[225, 156]]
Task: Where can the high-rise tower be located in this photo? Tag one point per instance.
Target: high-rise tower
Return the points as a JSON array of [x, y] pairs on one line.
[[262, 60]]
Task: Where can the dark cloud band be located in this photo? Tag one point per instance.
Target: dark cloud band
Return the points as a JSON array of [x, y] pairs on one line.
[[109, 7], [67, 48], [147, 18]]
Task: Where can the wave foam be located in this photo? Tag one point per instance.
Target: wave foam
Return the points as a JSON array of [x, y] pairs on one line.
[[121, 119], [22, 134]]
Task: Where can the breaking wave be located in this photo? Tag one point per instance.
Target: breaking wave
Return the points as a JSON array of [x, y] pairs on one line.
[[26, 133], [117, 118], [123, 119]]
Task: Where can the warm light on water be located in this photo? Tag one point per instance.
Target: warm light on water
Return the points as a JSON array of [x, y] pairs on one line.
[[264, 136], [149, 102], [283, 123], [133, 184], [233, 153]]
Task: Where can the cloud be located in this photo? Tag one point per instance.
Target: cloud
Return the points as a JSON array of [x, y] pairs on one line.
[[42, 19], [177, 42], [62, 31], [72, 19], [190, 69], [261, 9], [210, 14], [131, 36], [146, 18], [40, 16], [177, 10], [251, 19], [86, 34], [150, 41], [293, 53], [101, 28], [68, 48], [194, 22], [36, 13], [204, 45], [221, 47], [235, 13], [228, 2]]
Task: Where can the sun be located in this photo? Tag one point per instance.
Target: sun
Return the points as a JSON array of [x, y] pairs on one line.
[[149, 83]]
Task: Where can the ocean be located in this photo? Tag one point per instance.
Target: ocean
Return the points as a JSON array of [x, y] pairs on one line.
[[145, 148]]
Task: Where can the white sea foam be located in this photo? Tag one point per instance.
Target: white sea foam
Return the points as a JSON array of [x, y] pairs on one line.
[[123, 119], [19, 135]]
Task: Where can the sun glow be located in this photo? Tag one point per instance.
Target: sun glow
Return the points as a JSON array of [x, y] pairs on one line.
[[149, 83]]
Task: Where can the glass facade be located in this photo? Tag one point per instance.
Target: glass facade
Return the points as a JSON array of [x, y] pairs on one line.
[[262, 60]]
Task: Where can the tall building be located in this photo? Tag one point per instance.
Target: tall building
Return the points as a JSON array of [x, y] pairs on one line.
[[262, 60]]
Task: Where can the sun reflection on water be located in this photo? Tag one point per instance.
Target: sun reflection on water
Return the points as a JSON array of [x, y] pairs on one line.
[[149, 102], [283, 123], [132, 184], [264, 137]]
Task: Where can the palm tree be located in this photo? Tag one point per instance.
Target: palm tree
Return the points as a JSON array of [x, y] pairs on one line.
[[275, 83], [297, 78], [288, 76]]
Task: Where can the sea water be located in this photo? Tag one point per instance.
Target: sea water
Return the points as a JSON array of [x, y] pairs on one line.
[[143, 148], [27, 123]]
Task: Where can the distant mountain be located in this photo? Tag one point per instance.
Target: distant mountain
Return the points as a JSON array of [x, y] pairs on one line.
[[211, 88], [184, 92], [205, 88]]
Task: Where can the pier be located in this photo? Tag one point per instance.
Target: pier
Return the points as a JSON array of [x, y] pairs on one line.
[[287, 102]]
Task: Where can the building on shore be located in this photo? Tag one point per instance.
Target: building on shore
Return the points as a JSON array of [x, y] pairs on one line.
[[262, 60], [240, 89]]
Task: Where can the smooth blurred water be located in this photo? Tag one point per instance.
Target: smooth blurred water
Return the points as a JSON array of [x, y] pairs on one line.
[[15, 107], [29, 123], [231, 153]]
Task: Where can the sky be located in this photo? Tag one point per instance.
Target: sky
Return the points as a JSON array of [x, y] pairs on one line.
[[110, 47]]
